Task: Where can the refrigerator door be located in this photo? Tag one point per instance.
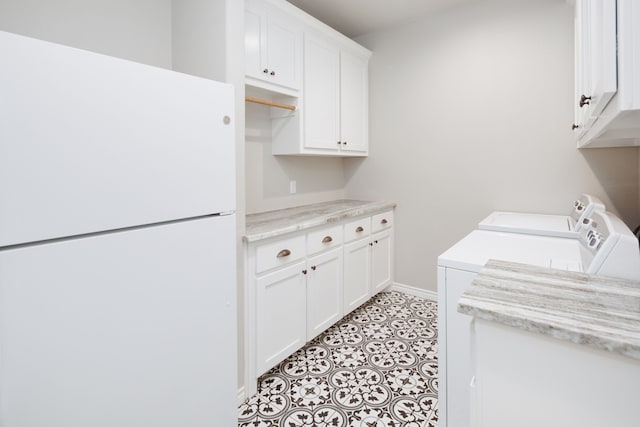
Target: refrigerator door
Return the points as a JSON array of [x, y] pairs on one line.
[[127, 329], [90, 143]]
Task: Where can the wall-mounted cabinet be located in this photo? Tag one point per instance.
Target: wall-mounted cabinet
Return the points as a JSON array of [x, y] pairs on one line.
[[335, 99], [273, 48], [331, 89], [607, 73], [334, 117]]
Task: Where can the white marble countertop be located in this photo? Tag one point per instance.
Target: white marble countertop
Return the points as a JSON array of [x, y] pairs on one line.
[[592, 310], [275, 223]]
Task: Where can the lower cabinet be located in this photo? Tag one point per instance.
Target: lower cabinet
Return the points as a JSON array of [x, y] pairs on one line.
[[357, 274], [381, 260], [283, 299], [368, 263], [324, 291], [300, 284]]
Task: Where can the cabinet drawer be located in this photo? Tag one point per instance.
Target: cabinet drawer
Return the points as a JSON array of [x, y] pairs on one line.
[[279, 253], [382, 221], [324, 239], [357, 229]]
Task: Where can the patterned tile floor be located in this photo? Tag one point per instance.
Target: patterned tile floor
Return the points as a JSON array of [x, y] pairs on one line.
[[378, 366]]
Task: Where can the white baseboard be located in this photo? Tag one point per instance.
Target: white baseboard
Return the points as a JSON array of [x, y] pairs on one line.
[[241, 396], [412, 290]]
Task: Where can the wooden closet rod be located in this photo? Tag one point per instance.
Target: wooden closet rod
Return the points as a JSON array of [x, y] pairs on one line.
[[270, 103]]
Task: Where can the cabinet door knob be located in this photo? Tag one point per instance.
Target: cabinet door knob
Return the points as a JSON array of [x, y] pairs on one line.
[[574, 126], [266, 71], [327, 239], [584, 100], [339, 142], [313, 267], [370, 244], [273, 73], [304, 271], [383, 221], [344, 142], [359, 230], [375, 241], [283, 253]]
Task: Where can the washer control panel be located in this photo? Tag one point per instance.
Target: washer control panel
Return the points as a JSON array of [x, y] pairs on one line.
[[612, 248], [583, 207]]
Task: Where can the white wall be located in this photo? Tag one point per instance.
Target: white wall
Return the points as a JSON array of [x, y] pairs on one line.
[[470, 111], [139, 30], [268, 176]]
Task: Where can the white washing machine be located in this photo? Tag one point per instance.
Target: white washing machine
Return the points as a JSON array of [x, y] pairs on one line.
[[544, 225], [605, 246]]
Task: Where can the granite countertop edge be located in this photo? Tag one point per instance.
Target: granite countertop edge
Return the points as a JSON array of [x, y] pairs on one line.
[[491, 298], [264, 225]]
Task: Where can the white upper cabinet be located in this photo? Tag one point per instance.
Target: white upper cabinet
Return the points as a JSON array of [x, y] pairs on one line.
[[334, 114], [335, 100], [354, 103], [321, 100], [607, 90], [273, 48], [596, 80], [295, 60]]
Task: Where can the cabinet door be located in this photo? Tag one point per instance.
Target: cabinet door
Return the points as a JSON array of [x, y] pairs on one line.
[[357, 270], [596, 63], [281, 303], [381, 261], [273, 48], [284, 42], [321, 94], [324, 291], [255, 50], [354, 103]]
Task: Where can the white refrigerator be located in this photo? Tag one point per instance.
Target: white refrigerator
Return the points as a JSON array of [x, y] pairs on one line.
[[117, 242]]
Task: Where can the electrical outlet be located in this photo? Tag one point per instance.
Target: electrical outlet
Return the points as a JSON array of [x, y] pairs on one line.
[[292, 187]]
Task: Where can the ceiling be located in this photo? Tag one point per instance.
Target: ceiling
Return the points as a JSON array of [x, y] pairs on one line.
[[357, 17]]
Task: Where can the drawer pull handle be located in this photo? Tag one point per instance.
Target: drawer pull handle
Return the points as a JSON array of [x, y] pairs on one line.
[[283, 253], [359, 230], [327, 239], [313, 267], [384, 221]]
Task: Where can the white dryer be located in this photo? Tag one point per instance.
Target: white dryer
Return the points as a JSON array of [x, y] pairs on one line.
[[542, 224], [605, 246]]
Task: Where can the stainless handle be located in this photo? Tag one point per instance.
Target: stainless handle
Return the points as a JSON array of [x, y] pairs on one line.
[[359, 230], [384, 221], [327, 239], [313, 267], [283, 253]]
